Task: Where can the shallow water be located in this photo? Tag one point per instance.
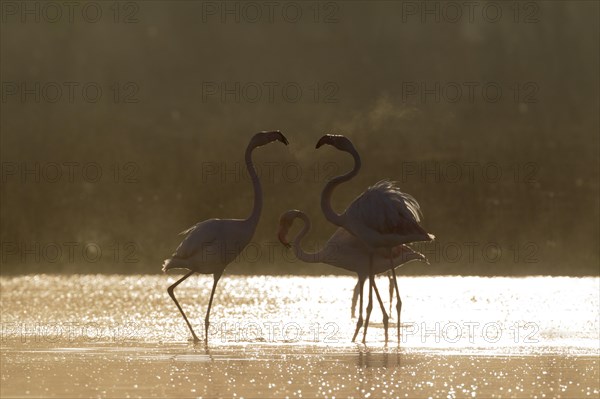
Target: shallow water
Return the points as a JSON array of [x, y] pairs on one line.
[[81, 336]]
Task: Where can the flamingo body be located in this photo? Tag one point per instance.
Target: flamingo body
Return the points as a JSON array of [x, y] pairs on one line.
[[209, 246], [382, 218], [343, 250], [347, 252]]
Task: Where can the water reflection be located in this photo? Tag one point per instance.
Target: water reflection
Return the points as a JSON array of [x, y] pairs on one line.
[[367, 358]]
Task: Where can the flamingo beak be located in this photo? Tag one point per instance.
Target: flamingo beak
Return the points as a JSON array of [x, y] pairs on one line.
[[282, 138], [276, 135], [323, 140], [282, 239], [423, 258]]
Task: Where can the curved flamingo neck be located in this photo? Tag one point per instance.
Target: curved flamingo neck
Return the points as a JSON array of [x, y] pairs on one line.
[[258, 200], [301, 254], [328, 211]]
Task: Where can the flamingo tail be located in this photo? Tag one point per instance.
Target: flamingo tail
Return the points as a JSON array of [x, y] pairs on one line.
[[174, 263]]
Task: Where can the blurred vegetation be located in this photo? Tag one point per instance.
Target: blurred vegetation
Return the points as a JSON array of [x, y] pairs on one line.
[[544, 208]]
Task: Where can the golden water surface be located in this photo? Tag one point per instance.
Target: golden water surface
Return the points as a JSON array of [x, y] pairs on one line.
[[122, 336]]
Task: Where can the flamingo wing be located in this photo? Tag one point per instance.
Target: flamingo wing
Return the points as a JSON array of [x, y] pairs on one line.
[[199, 236], [342, 239], [385, 209]]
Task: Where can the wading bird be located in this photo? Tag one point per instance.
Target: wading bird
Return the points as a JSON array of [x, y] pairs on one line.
[[345, 251], [382, 217], [356, 292], [211, 245]]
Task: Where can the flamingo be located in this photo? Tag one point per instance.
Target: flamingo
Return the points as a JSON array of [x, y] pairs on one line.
[[356, 291], [209, 246], [382, 217], [345, 251]]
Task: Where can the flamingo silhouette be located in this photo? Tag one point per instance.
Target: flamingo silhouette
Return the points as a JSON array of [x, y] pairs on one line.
[[382, 217], [345, 251], [356, 292], [209, 246]]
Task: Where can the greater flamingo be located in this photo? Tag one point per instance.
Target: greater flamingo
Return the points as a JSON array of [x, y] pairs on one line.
[[382, 217], [209, 246], [356, 292], [345, 251]]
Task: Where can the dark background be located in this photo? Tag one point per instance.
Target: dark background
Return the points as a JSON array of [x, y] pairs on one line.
[[171, 152]]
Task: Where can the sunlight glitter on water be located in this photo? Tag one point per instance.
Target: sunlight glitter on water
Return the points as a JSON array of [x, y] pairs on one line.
[[532, 313], [73, 336]]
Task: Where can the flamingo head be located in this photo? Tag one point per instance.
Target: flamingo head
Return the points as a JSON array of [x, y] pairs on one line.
[[407, 254], [285, 222], [340, 142], [263, 138]]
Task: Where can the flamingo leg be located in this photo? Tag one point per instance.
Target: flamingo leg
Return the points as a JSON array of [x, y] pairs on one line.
[[359, 322], [391, 289], [355, 298], [398, 304], [171, 291], [216, 278], [385, 315], [370, 304]]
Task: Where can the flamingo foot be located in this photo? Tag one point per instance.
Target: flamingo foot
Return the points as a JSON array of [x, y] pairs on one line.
[[359, 324]]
